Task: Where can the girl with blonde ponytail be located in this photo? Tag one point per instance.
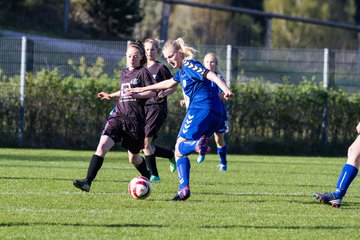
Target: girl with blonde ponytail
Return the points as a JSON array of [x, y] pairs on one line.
[[205, 113], [156, 111]]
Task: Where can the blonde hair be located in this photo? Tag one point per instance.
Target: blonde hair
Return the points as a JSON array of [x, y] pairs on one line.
[[179, 44], [213, 55], [155, 41]]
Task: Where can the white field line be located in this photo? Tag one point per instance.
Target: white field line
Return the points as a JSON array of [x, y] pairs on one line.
[[90, 211], [61, 193]]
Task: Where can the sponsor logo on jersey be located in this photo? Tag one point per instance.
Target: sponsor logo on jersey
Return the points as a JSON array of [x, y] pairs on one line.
[[135, 82]]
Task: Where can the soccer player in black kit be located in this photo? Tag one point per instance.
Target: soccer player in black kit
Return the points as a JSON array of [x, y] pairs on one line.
[[156, 111], [126, 124]]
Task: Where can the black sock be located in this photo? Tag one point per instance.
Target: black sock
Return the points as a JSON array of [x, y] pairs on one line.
[[94, 166], [151, 165], [143, 169], [164, 153]]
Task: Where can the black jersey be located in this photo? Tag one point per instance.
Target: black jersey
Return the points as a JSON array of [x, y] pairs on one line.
[[160, 73], [128, 107]]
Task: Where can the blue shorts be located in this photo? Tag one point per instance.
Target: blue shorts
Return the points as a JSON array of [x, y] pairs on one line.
[[199, 122]]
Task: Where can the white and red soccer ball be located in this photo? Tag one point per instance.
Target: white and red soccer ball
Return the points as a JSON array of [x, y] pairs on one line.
[[139, 187]]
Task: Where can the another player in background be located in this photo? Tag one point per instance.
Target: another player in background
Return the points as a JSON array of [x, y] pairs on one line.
[[347, 175], [126, 123], [156, 111], [211, 63], [205, 113]]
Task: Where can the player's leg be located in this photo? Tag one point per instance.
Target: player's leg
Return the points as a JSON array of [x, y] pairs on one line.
[[183, 168], [347, 175], [139, 163], [105, 144], [150, 159], [221, 150], [166, 153]]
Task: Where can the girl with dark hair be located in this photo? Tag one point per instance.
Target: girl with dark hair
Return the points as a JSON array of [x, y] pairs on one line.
[[126, 124]]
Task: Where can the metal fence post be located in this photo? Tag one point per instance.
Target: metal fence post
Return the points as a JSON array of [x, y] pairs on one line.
[[228, 82], [228, 65], [324, 124], [22, 91], [326, 68]]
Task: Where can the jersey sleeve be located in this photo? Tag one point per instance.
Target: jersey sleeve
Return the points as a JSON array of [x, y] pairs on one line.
[[176, 77], [194, 69]]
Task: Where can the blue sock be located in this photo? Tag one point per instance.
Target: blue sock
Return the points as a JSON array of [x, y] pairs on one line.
[[187, 147], [347, 175], [222, 154], [183, 167]]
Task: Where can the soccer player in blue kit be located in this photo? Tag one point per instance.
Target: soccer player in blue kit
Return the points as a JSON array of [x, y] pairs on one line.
[[211, 63], [347, 175], [205, 113]]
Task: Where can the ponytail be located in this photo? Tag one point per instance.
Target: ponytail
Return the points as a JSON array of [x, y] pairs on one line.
[[179, 44]]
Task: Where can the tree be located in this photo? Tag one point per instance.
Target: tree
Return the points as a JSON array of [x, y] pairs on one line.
[[303, 35], [114, 19], [216, 27]]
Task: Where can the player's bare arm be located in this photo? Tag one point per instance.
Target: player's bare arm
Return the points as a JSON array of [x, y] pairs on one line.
[[104, 95], [145, 94], [158, 86], [166, 92], [213, 77]]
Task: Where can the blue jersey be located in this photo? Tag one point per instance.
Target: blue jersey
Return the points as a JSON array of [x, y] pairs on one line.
[[205, 114], [219, 91], [197, 88]]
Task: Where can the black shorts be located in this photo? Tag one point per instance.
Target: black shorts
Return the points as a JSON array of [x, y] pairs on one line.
[[155, 118], [129, 132]]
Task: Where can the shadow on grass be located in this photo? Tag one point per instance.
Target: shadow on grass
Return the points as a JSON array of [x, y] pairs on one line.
[[283, 227], [57, 179], [135, 225], [44, 158]]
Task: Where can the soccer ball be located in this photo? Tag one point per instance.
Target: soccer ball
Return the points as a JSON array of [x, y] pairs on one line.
[[139, 187]]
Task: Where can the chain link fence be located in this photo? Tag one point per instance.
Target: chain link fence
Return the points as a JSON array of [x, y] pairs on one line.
[[238, 64]]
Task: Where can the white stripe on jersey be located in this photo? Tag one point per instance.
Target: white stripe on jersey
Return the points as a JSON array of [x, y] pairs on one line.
[[193, 67]]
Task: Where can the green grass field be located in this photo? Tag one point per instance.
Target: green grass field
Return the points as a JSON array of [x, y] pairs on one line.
[[260, 197]]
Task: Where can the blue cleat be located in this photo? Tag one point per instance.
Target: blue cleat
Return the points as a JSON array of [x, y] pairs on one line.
[[154, 178], [202, 148], [200, 158], [328, 198], [222, 167], [183, 194]]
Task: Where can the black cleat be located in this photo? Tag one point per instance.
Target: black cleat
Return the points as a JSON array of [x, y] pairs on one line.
[[82, 184]]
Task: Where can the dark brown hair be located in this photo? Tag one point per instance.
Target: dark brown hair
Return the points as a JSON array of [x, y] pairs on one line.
[[139, 45]]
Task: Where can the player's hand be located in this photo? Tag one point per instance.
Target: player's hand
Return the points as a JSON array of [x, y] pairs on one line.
[[103, 95], [161, 94], [228, 95], [182, 103]]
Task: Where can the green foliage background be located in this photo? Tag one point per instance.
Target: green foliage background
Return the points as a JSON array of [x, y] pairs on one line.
[[64, 112]]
